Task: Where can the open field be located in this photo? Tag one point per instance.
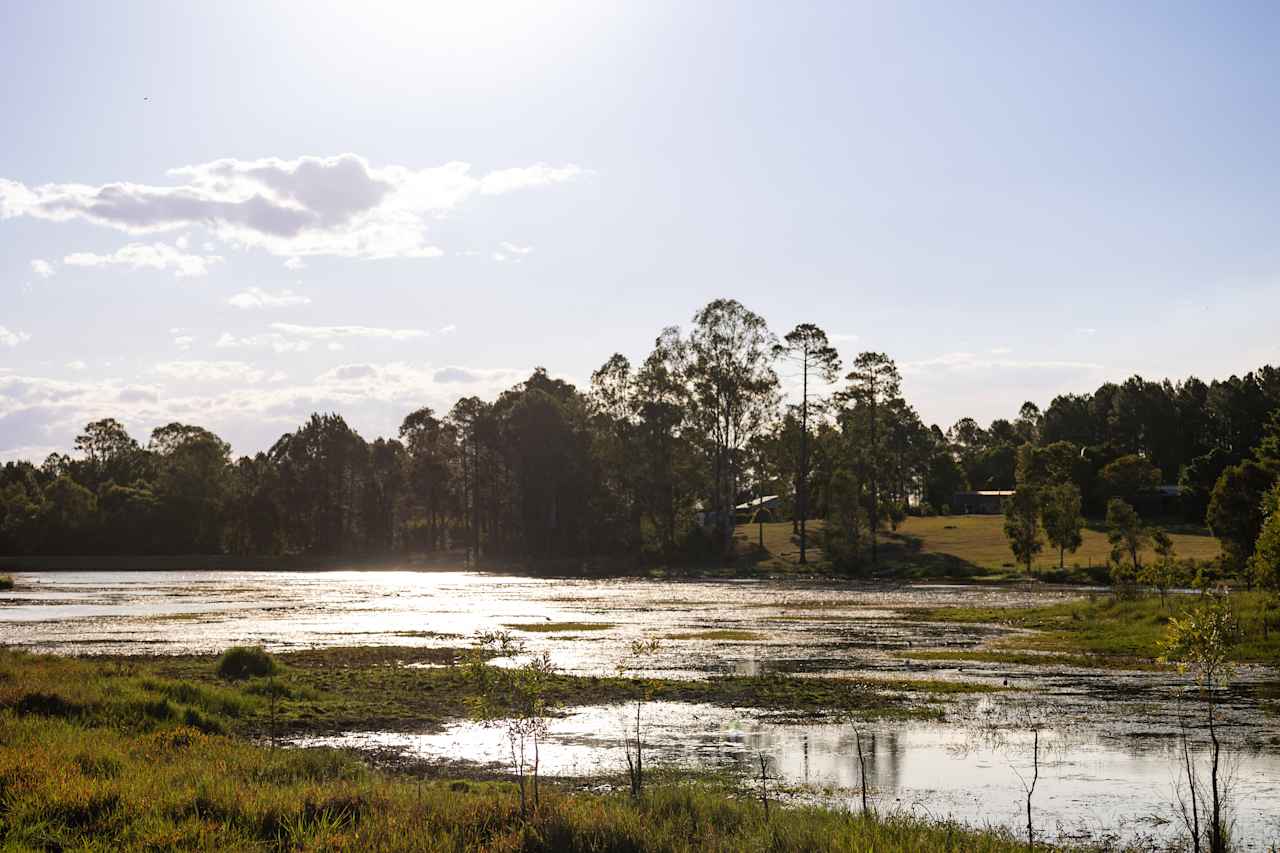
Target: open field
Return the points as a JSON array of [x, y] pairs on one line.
[[950, 546]]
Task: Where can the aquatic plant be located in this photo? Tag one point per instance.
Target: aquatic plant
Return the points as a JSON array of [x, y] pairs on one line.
[[634, 746]]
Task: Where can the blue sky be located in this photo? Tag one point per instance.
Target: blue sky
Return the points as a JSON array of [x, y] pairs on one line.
[[234, 214]]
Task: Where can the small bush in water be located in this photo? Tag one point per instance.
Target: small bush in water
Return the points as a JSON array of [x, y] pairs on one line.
[[240, 662]]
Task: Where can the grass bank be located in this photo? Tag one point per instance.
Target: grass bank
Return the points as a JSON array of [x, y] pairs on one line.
[[110, 755], [1103, 630]]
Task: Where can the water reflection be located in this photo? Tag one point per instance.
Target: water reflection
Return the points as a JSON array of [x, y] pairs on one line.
[[1086, 782], [1113, 769]]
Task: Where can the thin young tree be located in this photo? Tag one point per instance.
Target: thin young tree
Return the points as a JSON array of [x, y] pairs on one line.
[[1022, 525], [1128, 536], [1063, 523], [1201, 642], [873, 382], [806, 347]]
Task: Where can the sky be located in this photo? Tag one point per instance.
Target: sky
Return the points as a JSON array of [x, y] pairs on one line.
[[235, 214]]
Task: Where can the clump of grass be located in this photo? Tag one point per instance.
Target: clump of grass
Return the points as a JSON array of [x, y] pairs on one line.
[[728, 634], [558, 627], [6, 582], [240, 662]]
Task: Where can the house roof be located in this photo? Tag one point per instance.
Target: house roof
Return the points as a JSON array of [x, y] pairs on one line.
[[758, 502]]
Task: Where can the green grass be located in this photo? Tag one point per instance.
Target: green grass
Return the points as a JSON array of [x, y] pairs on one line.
[[1108, 631], [1030, 658], [719, 634], [72, 788], [86, 766], [360, 688], [968, 547], [558, 627]]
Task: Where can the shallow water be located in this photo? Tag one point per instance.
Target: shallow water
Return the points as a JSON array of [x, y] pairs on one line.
[[1110, 763], [1089, 786]]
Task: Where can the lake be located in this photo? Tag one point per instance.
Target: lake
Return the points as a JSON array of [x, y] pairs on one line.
[[1109, 752]]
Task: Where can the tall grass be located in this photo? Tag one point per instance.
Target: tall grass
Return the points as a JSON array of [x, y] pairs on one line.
[[65, 787], [104, 756]]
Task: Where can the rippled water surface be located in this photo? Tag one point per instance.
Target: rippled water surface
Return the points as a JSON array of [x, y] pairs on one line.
[[1108, 763]]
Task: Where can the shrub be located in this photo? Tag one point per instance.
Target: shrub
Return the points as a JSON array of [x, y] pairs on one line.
[[240, 662], [6, 582]]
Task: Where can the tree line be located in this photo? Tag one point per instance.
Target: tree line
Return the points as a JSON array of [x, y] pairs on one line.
[[650, 462]]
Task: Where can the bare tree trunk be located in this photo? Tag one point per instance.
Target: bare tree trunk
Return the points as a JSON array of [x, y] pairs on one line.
[[1217, 839], [764, 786], [803, 480], [1031, 789], [639, 781], [537, 802], [1193, 824], [862, 770]]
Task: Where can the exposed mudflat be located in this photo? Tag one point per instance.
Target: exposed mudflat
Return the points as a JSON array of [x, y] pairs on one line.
[[1109, 750]]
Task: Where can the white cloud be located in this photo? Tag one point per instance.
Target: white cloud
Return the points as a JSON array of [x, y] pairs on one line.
[[11, 338], [42, 268], [256, 297], [273, 341], [499, 257], [1000, 351], [1087, 331], [326, 333], [76, 365], [448, 330], [243, 403], [967, 361], [210, 371], [183, 342], [295, 263], [514, 249], [156, 256], [309, 206], [540, 175]]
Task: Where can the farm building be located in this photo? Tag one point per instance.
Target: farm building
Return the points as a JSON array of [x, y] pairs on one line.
[[988, 502]]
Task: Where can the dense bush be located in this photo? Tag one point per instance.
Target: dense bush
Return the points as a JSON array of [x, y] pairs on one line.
[[239, 662]]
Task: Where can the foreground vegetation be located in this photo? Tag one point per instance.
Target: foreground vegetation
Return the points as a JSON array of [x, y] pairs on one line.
[[69, 787], [111, 755]]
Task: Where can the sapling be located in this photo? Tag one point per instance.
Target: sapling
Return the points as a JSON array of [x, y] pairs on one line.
[[514, 699], [1200, 642], [634, 746]]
